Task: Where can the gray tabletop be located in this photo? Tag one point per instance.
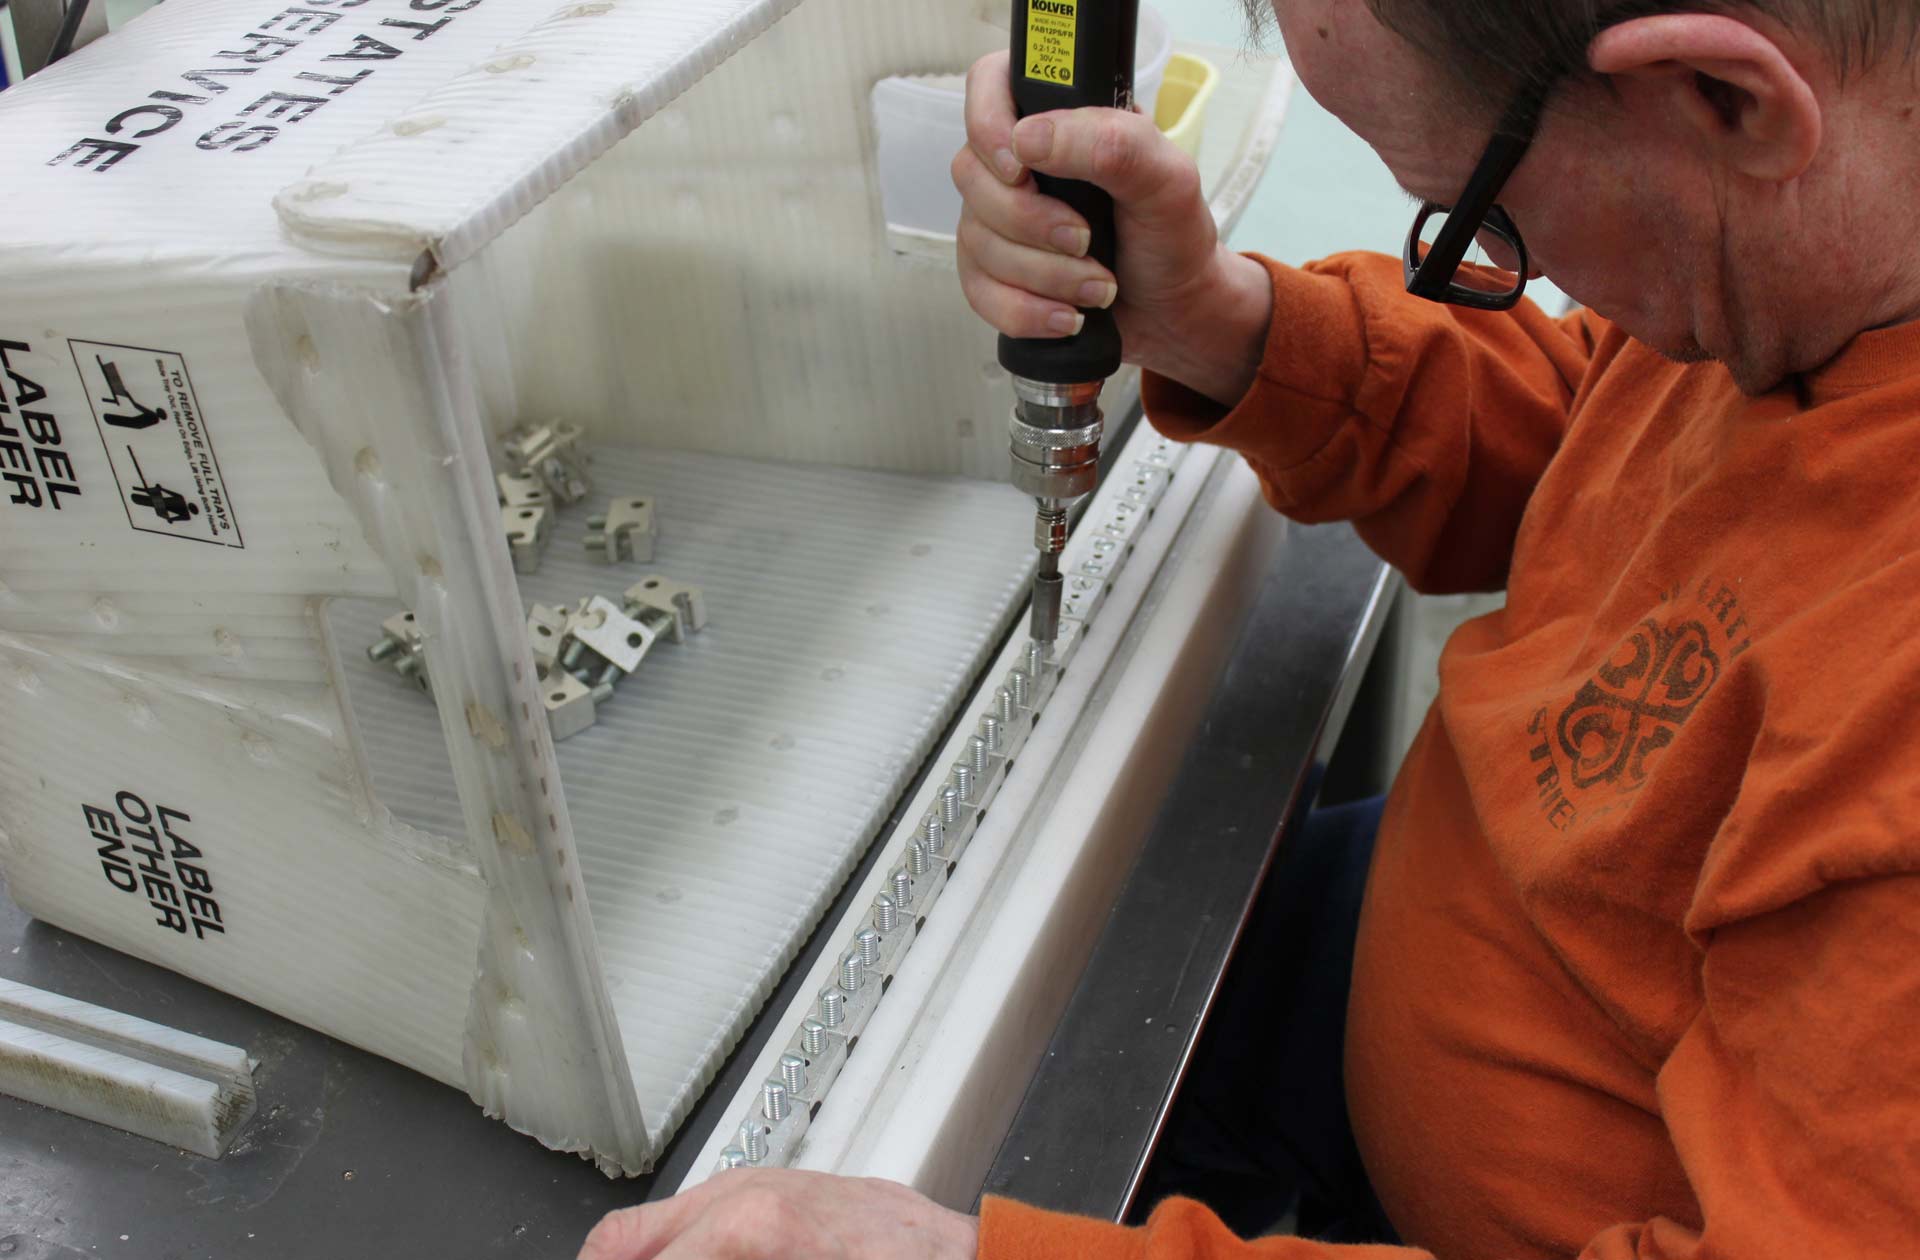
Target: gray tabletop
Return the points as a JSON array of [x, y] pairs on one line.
[[353, 1156]]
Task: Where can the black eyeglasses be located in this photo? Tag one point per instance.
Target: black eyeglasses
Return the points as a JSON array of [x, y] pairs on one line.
[[1434, 269]]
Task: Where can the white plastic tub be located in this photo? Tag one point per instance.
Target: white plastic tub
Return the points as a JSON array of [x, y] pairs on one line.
[[921, 124]]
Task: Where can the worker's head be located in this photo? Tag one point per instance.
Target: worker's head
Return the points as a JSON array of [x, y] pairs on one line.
[[1724, 178]]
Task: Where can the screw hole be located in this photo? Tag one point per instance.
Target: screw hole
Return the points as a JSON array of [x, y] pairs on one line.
[[558, 696], [544, 632], [650, 583], [634, 640], [639, 503]]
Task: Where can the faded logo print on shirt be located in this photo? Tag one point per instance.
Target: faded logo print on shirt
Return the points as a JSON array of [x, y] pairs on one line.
[[1607, 739], [1636, 703]]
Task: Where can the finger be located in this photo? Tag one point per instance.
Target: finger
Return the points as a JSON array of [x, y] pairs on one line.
[[639, 1233], [990, 117], [1078, 282], [1015, 312], [1019, 213], [1120, 151]]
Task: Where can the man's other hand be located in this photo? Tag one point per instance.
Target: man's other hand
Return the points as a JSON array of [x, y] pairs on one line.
[[776, 1214]]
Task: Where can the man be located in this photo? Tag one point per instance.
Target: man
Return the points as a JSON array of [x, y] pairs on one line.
[[1639, 969]]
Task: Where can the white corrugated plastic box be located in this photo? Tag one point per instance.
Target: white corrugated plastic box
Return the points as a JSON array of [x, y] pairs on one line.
[[276, 281]]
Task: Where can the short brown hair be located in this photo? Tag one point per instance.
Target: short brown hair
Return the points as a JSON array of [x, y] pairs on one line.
[[1498, 46]]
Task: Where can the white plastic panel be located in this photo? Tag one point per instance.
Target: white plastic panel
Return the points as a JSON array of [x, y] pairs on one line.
[[727, 786]]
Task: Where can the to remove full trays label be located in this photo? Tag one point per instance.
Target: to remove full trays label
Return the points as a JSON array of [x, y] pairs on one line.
[[157, 441]]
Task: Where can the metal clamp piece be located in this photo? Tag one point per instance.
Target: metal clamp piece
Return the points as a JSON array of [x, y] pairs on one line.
[[623, 532], [610, 634], [520, 490], [528, 530], [554, 454], [403, 649], [569, 704], [547, 628], [685, 606]]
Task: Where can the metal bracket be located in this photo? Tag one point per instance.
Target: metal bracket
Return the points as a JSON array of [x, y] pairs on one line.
[[403, 649], [683, 604], [624, 532], [520, 490], [528, 531], [553, 453], [569, 704], [610, 634], [547, 628]]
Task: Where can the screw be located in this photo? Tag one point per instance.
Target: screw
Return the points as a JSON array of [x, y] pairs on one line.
[[813, 1037], [868, 943], [753, 1141], [949, 805], [610, 674], [886, 913], [963, 780], [1019, 682], [977, 754], [383, 648], [570, 659], [1036, 657], [773, 1099], [833, 1006], [933, 833], [597, 522], [1003, 705], [602, 692], [732, 1157], [902, 886], [793, 1073], [993, 732], [917, 860], [408, 665], [851, 972]]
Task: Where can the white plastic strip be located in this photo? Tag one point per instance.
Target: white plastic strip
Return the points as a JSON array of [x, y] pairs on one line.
[[116, 1069], [1116, 524]]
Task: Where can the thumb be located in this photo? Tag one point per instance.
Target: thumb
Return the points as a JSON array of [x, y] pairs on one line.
[[1117, 150]]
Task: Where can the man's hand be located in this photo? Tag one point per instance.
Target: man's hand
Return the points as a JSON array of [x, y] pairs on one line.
[[774, 1214], [1186, 305]]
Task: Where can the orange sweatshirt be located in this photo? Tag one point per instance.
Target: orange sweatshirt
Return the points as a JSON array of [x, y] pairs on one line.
[[1639, 969]]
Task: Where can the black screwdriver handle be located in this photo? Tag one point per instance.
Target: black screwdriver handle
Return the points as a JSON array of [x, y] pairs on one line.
[[1068, 54]]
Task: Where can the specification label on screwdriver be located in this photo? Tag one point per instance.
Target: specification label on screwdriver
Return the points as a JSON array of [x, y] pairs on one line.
[[1050, 40]]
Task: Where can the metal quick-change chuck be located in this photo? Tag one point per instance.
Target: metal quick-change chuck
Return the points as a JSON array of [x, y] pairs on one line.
[[1066, 54]]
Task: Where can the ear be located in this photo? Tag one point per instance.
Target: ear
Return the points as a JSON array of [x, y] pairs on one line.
[[1731, 86]]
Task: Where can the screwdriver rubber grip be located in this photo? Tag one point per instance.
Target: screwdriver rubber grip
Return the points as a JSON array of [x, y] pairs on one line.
[[1070, 54]]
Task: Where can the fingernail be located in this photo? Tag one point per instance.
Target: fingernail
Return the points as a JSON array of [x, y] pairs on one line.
[[1033, 139], [1071, 240], [1007, 164], [1099, 293], [1066, 323]]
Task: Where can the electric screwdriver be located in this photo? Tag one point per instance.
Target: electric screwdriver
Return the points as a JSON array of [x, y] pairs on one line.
[[1066, 54]]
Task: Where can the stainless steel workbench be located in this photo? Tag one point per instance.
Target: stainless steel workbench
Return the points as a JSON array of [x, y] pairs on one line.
[[351, 1155]]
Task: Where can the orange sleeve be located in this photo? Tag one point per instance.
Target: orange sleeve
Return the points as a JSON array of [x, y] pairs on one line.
[[1179, 1229], [1426, 425]]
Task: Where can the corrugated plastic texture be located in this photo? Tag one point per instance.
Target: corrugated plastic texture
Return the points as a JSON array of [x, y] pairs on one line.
[[330, 919], [728, 786], [495, 140], [85, 574], [174, 197], [720, 279]]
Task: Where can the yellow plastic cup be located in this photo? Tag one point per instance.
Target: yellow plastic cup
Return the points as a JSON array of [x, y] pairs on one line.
[[1180, 111]]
